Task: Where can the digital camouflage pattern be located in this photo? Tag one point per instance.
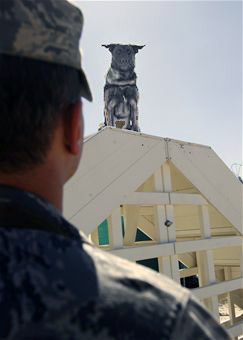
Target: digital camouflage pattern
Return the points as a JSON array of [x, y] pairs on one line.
[[56, 285], [46, 30]]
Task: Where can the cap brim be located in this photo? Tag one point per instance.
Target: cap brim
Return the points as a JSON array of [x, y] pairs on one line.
[[85, 92]]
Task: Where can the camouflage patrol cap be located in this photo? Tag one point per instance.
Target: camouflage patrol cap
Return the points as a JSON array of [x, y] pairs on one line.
[[47, 30]]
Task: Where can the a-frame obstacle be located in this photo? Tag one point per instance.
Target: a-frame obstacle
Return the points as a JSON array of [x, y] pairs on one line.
[[180, 195]]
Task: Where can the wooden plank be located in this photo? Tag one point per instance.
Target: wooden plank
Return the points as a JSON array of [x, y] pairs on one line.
[[227, 262], [184, 199], [205, 261], [206, 244], [196, 232], [94, 237], [116, 235], [131, 219], [169, 215], [207, 172], [161, 233], [145, 198], [147, 227], [144, 252], [188, 272], [147, 210], [160, 198], [117, 189], [217, 288], [229, 297]]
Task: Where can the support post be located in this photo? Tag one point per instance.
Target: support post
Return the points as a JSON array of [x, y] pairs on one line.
[[230, 299], [131, 218], [116, 240], [160, 229], [205, 261]]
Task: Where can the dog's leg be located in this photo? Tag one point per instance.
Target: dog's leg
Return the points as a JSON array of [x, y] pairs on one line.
[[134, 115], [109, 107]]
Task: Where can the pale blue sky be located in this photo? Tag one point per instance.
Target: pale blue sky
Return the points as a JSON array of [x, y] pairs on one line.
[[189, 73]]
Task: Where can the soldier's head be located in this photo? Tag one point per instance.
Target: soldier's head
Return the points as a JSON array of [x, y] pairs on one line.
[[123, 56], [41, 83]]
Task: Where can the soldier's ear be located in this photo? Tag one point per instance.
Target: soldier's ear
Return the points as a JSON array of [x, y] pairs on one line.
[[137, 47], [110, 47]]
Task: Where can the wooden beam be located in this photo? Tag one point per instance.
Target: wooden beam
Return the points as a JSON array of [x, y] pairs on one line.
[[207, 244], [144, 252], [160, 198], [188, 272], [205, 261], [116, 229], [145, 198], [131, 219], [146, 227], [218, 288], [161, 233], [184, 199], [169, 214], [228, 276]]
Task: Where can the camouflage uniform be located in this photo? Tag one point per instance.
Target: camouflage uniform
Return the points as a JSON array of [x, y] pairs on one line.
[[54, 284]]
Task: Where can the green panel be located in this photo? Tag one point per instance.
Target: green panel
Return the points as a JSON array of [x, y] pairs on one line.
[[123, 226], [103, 233], [140, 236], [150, 263]]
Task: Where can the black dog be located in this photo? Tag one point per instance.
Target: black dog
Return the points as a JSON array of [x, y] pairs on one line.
[[120, 91]]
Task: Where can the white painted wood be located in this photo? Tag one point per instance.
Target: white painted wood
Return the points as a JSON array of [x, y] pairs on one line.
[[228, 276], [116, 163], [161, 234], [206, 244], [225, 262], [185, 233], [180, 198], [169, 213], [159, 198], [117, 237], [146, 198], [144, 252], [189, 259], [165, 265], [206, 171], [188, 272], [204, 221], [159, 210], [172, 229], [147, 227], [206, 269], [131, 220], [94, 237], [217, 288], [108, 198], [147, 210]]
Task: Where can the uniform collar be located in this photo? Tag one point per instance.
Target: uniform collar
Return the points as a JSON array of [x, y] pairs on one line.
[[37, 209]]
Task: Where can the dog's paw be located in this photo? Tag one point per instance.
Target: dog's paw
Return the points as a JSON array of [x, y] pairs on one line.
[[135, 128]]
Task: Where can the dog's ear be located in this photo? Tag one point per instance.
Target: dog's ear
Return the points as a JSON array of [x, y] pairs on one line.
[[110, 47], [136, 48]]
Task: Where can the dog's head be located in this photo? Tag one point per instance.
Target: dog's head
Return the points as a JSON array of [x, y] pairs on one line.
[[123, 56]]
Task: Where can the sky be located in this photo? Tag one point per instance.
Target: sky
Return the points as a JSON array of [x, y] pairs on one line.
[[189, 74]]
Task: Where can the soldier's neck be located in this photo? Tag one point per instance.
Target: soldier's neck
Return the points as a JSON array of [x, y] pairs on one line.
[[42, 182]]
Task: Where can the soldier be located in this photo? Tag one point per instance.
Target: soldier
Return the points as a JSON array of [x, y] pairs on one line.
[[55, 284]]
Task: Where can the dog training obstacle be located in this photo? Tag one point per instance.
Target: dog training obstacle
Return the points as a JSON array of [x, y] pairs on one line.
[[137, 182]]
